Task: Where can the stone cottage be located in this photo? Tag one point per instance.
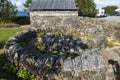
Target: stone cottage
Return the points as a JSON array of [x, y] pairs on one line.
[[51, 12]]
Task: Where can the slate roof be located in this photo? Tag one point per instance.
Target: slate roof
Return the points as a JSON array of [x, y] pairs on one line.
[[53, 5]]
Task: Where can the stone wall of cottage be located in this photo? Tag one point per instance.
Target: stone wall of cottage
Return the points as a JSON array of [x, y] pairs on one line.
[[50, 18]]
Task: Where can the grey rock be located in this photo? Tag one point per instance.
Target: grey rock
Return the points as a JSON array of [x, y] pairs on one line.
[[68, 64], [100, 41], [78, 63]]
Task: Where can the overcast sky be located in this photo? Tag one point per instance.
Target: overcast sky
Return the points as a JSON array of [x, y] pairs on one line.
[[99, 3], [103, 3]]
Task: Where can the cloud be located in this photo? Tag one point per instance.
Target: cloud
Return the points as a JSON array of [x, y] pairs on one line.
[[103, 3], [18, 3]]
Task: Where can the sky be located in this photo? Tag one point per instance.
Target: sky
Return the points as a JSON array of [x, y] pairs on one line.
[[103, 3], [99, 3]]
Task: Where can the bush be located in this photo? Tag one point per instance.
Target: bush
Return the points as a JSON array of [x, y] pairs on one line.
[[58, 32], [86, 8], [9, 68], [26, 75], [89, 37], [66, 54], [69, 32], [21, 73], [79, 35], [21, 20], [39, 47], [110, 43], [40, 34], [3, 79]]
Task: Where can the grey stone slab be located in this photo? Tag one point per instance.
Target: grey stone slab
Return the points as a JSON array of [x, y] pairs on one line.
[[68, 65]]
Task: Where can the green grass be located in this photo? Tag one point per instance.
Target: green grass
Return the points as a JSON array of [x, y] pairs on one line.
[[40, 34], [89, 37], [69, 32], [6, 33]]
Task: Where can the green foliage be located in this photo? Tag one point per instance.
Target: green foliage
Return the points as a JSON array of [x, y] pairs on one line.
[[39, 47], [110, 9], [21, 20], [79, 35], [66, 54], [86, 8], [69, 32], [3, 79], [58, 32], [21, 73], [110, 43], [89, 37], [26, 75], [8, 9], [40, 34], [27, 4], [9, 68]]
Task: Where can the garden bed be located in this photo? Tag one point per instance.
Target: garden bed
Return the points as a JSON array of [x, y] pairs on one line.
[[51, 53]]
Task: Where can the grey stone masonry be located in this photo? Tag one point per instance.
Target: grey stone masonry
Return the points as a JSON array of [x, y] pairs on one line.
[[92, 64], [56, 18]]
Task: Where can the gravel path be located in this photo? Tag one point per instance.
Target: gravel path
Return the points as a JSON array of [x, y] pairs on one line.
[[112, 18]]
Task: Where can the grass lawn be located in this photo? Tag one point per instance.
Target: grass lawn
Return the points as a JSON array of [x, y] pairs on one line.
[[6, 33]]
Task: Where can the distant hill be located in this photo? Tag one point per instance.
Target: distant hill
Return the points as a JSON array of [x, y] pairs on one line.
[[22, 13]]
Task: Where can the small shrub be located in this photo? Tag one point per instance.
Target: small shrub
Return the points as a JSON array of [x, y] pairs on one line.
[[3, 79], [21, 73], [39, 47], [69, 32], [40, 34], [21, 20], [110, 43], [79, 35], [26, 75], [66, 54], [58, 32], [89, 37], [9, 68], [53, 52]]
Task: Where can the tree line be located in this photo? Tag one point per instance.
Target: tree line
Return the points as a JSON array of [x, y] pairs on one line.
[[7, 9]]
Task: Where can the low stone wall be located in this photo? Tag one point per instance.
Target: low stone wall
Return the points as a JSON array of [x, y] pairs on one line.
[[83, 25], [92, 64]]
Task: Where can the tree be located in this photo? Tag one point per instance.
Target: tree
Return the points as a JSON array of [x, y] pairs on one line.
[[110, 9], [86, 8], [7, 9], [27, 4]]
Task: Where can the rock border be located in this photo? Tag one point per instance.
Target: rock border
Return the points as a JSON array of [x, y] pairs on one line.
[[90, 65]]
